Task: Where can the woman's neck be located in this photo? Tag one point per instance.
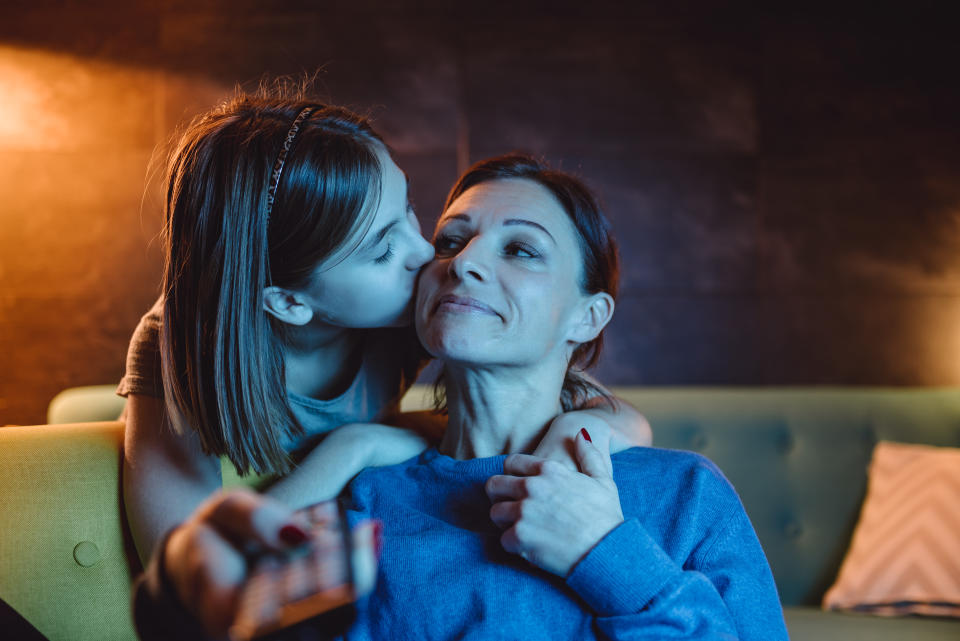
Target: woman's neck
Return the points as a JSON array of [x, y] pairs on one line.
[[321, 362], [498, 412]]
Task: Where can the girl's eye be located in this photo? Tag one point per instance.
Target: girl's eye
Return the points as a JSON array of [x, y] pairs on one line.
[[445, 244], [387, 255], [521, 250]]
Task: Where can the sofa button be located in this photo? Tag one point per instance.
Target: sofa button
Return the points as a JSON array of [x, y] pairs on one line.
[[698, 441], [792, 530], [86, 554], [785, 442]]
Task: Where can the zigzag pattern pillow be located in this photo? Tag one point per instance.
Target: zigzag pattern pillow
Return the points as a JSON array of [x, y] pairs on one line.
[[905, 553]]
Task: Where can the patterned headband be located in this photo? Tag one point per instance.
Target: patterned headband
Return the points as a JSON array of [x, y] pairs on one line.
[[282, 158]]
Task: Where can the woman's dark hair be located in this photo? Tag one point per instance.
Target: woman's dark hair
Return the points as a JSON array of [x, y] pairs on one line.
[[600, 258], [221, 353]]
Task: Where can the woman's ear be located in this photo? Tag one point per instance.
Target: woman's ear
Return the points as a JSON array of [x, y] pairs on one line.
[[286, 305], [595, 312]]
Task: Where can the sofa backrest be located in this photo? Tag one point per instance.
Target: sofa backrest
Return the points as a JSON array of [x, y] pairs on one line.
[[798, 458]]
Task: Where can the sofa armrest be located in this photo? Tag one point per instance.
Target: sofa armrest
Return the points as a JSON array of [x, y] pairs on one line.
[[65, 559]]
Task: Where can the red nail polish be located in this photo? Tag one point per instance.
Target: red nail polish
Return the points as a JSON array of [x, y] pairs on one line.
[[586, 434], [292, 534], [378, 538]]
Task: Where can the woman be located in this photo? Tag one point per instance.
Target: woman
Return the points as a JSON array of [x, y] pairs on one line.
[[291, 257], [483, 540]]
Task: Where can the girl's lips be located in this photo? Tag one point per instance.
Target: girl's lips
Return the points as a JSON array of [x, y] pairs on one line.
[[463, 305]]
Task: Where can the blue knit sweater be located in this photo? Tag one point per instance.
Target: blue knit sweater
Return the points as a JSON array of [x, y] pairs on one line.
[[686, 563]]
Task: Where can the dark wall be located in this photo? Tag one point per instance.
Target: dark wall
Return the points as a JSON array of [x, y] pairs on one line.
[[785, 188]]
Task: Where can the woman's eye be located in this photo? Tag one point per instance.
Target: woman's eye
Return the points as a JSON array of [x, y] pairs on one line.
[[387, 255], [522, 250], [445, 244]]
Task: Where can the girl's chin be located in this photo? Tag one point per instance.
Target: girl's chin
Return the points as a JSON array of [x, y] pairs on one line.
[[404, 318]]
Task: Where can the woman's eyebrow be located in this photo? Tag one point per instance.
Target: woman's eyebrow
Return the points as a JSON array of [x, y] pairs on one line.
[[530, 223], [508, 221]]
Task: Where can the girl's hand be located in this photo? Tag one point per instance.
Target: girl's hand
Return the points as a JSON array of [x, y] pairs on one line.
[[552, 515], [560, 442], [613, 430]]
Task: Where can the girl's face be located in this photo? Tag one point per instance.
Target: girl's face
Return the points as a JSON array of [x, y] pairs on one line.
[[373, 286], [504, 288]]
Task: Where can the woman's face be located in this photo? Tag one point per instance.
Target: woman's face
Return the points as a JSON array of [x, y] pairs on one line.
[[373, 285], [504, 287]]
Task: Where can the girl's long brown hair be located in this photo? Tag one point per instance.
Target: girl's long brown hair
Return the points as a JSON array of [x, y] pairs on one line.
[[221, 353]]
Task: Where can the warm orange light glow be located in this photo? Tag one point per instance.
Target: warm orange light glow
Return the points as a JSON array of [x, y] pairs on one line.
[[57, 102]]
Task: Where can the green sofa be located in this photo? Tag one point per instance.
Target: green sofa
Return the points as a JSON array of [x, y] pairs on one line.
[[798, 457]]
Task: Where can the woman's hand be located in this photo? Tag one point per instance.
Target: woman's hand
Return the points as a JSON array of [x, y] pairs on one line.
[[552, 515], [206, 558]]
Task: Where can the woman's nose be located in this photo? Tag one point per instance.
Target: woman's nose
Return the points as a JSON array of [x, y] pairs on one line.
[[469, 263]]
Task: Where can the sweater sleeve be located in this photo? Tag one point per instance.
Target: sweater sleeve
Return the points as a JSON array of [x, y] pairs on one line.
[[639, 592], [142, 375]]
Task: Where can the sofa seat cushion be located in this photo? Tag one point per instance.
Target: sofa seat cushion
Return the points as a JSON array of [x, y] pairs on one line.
[[814, 624]]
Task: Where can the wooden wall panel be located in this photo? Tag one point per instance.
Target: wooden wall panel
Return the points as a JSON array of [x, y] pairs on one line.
[[785, 188]]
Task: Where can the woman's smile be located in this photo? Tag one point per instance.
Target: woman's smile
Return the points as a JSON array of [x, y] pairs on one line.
[[458, 304]]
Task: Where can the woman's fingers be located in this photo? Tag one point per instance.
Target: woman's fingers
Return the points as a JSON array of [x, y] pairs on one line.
[[523, 465], [246, 519], [505, 513], [206, 572], [502, 487], [206, 558], [511, 543]]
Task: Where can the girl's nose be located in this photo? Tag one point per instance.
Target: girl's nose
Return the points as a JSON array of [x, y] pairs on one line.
[[421, 255]]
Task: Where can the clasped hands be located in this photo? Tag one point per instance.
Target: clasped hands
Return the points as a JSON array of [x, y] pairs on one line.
[[553, 515]]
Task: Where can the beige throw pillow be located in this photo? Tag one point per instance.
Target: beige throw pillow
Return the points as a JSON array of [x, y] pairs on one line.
[[905, 553]]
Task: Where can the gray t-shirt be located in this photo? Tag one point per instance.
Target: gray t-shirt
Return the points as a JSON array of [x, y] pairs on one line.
[[392, 358]]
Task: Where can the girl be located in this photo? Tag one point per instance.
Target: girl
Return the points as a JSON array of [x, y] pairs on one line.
[[291, 258]]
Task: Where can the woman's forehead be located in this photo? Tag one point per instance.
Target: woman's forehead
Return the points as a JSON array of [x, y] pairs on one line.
[[504, 199]]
